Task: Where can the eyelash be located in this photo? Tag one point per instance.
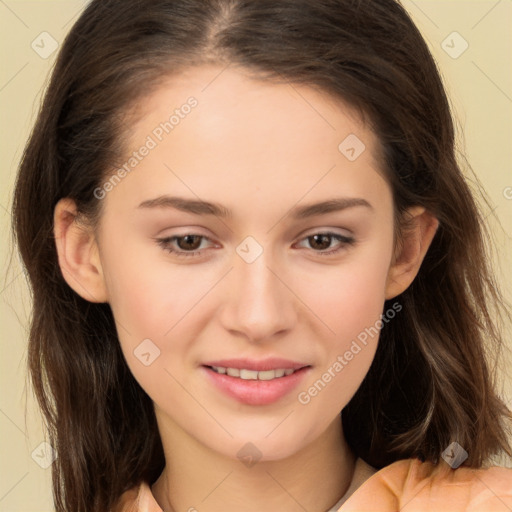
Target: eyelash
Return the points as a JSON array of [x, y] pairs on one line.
[[165, 244]]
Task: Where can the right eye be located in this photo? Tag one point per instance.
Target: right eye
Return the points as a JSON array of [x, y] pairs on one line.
[[188, 245]]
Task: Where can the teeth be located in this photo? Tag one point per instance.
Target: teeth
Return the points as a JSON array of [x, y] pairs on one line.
[[253, 374], [233, 372], [248, 374]]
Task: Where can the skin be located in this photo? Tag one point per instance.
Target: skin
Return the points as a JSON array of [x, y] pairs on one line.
[[259, 149]]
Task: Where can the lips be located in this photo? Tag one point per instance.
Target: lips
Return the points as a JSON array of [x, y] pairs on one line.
[[245, 374], [255, 382], [272, 363]]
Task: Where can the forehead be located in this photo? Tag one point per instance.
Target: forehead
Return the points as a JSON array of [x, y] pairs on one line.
[[235, 102], [214, 131]]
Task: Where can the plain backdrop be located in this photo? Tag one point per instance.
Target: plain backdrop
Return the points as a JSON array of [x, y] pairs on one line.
[[472, 43]]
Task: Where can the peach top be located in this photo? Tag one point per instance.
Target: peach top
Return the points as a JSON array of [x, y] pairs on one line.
[[407, 485]]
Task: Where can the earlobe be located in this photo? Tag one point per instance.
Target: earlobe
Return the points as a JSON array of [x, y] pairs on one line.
[[78, 253], [411, 252]]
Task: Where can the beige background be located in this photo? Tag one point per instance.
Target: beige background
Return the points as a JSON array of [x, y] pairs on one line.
[[479, 83]]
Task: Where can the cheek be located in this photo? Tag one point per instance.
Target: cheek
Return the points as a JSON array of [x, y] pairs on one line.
[[354, 314], [147, 293], [350, 302], [359, 301], [348, 297], [150, 300], [151, 304]]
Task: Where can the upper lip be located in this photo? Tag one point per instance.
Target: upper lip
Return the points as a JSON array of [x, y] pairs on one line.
[[272, 363]]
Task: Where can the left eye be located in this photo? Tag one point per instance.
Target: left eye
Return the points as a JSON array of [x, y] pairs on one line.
[[319, 242], [192, 244]]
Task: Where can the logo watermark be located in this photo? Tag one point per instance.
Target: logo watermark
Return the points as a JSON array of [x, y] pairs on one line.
[[152, 140], [304, 397]]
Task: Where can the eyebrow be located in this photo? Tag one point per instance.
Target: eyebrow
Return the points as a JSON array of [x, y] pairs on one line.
[[199, 207]]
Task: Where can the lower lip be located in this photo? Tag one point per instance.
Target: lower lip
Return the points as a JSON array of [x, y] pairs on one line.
[[256, 392]]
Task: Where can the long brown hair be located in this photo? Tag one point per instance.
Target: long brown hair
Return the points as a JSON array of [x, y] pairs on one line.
[[432, 379]]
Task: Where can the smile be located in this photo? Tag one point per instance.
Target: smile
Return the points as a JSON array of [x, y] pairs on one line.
[[245, 374], [256, 387]]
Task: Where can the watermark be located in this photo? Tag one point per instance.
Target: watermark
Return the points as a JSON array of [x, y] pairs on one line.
[[249, 249], [507, 193], [152, 140], [352, 147], [44, 45], [304, 397], [454, 45], [146, 352], [44, 455], [454, 455], [249, 455]]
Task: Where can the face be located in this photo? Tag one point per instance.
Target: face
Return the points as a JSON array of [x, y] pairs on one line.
[[259, 280]]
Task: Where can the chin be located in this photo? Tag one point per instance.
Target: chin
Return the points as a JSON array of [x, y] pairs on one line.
[[250, 451]]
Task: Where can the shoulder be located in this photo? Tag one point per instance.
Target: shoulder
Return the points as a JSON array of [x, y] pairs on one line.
[[425, 487], [137, 499], [407, 484]]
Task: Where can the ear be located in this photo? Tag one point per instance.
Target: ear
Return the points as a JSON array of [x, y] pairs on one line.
[[78, 253], [416, 239]]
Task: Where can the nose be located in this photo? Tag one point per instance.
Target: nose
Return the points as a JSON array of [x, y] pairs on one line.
[[258, 305]]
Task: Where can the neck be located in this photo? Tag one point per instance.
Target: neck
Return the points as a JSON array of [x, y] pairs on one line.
[[196, 478]]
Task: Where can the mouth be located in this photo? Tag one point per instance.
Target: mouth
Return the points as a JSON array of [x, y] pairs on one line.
[[246, 374], [255, 383]]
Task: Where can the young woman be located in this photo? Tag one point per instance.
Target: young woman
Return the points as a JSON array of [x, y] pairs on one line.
[[259, 277]]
